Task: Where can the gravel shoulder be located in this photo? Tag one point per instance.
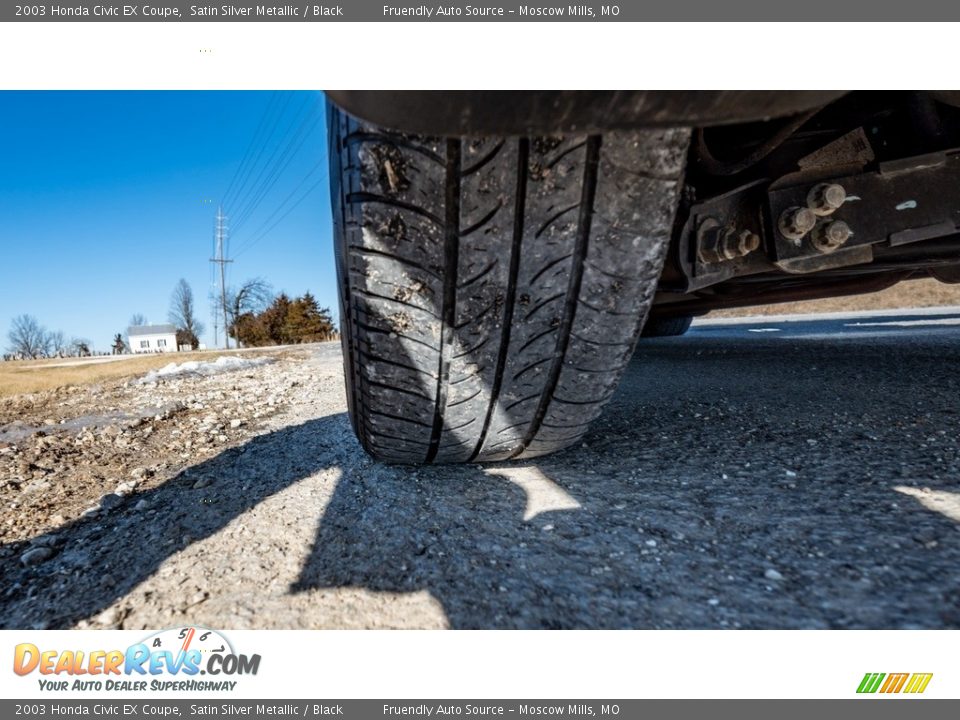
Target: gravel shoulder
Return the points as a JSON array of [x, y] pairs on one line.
[[799, 481]]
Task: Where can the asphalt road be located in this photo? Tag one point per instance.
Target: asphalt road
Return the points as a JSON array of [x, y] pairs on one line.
[[765, 474], [799, 474], [823, 449]]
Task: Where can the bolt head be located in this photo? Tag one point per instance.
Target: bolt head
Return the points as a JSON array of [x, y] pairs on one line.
[[826, 198], [796, 222], [838, 231], [749, 242], [831, 236], [804, 220]]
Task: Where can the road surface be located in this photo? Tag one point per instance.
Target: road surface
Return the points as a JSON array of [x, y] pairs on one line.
[[751, 474]]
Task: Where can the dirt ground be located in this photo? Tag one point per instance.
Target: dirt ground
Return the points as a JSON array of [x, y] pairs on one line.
[[913, 293], [68, 451], [699, 500], [31, 376]]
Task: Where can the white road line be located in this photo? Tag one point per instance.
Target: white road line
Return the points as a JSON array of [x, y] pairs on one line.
[[855, 315], [906, 323]]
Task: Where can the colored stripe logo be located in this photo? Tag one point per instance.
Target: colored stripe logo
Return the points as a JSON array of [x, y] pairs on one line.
[[912, 683]]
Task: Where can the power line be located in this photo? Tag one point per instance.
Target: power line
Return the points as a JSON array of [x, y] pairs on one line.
[[250, 146], [253, 182], [260, 142], [242, 191], [242, 247], [280, 219], [276, 165]]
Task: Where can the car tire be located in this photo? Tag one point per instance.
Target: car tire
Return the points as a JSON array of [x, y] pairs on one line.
[[667, 326], [492, 289]]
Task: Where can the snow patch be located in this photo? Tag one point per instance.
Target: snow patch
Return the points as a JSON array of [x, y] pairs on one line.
[[205, 368]]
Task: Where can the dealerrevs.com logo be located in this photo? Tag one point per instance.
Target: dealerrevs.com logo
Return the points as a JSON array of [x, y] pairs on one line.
[[889, 683], [169, 660]]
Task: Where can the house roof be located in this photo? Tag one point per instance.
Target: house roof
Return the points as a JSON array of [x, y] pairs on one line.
[[152, 330]]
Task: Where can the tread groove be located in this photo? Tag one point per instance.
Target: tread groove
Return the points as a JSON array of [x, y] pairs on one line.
[[483, 273], [590, 177], [531, 366], [550, 221], [396, 140], [549, 265], [479, 316], [396, 258], [394, 388], [601, 343], [359, 198], [460, 427], [605, 311], [467, 399], [386, 298], [522, 400], [536, 337], [391, 416], [541, 304], [451, 258], [482, 221], [384, 331], [485, 160], [472, 350], [572, 149], [615, 276], [394, 363]]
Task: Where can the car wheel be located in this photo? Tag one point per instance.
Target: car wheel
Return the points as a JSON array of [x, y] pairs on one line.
[[493, 288]]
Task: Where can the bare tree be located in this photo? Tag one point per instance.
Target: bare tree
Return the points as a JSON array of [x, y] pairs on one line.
[[183, 315], [138, 319], [80, 347], [57, 343], [28, 338], [252, 297]]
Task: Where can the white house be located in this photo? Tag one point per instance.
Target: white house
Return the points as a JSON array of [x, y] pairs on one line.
[[152, 338]]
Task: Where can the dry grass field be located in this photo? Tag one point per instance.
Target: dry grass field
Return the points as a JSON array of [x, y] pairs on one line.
[[30, 376], [36, 375], [911, 294]]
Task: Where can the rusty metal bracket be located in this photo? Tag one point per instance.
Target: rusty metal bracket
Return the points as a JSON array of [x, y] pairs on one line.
[[812, 221], [901, 202], [735, 217]]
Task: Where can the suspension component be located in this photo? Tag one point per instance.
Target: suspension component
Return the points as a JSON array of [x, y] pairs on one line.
[[826, 198], [717, 243], [796, 222], [830, 236]]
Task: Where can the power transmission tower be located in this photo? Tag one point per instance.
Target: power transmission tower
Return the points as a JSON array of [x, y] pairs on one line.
[[222, 262]]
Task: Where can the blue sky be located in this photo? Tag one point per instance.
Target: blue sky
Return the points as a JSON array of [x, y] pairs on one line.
[[108, 198]]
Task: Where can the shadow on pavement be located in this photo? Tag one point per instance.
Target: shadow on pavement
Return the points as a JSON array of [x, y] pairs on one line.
[[102, 559], [753, 484], [729, 484]]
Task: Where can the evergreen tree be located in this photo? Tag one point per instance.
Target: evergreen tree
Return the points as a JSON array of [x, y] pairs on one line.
[[286, 321], [274, 320]]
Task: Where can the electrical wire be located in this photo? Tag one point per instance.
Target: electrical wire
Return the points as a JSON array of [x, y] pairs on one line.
[[248, 152], [279, 165], [260, 237], [239, 194]]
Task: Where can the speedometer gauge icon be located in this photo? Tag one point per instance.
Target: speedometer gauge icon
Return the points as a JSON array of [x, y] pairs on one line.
[[194, 637]]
